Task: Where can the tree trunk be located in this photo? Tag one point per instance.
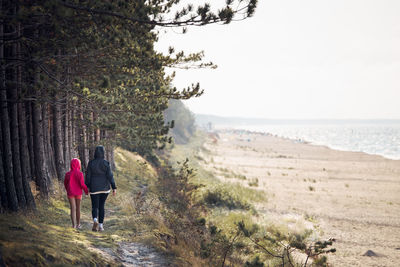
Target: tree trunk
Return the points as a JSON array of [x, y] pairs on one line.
[[14, 130], [112, 162], [67, 155], [16, 151], [5, 125], [29, 116], [3, 191], [23, 144], [48, 152], [58, 138], [83, 151], [7, 156], [23, 140], [97, 131], [75, 132], [71, 133], [90, 133], [42, 177]]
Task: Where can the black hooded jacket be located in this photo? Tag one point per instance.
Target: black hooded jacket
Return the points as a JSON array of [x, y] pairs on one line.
[[99, 176]]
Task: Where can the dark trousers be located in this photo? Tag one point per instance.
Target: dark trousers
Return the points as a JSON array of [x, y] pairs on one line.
[[98, 201]]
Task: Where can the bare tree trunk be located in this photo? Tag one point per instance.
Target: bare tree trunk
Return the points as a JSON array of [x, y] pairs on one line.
[[83, 151], [58, 138], [7, 156], [29, 116], [110, 148], [23, 144], [23, 140], [106, 147], [97, 131], [5, 125], [25, 157], [42, 175], [112, 162], [66, 136], [75, 133], [3, 191], [71, 135], [14, 129], [49, 155], [91, 137]]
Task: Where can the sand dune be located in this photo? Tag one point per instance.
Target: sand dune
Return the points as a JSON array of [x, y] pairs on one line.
[[351, 196]]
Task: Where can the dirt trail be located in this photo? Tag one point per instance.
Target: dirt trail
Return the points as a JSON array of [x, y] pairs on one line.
[[134, 254]]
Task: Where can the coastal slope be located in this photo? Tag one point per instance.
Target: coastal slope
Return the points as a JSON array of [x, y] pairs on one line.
[[350, 196]]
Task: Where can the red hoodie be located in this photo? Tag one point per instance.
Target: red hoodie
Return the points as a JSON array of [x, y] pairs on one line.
[[73, 180]]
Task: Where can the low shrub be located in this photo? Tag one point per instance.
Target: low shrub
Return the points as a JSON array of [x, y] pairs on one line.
[[222, 197]]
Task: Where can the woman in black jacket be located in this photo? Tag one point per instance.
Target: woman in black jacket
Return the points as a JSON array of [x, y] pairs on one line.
[[98, 179]]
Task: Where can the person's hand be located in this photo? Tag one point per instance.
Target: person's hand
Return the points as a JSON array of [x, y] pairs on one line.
[[114, 192]]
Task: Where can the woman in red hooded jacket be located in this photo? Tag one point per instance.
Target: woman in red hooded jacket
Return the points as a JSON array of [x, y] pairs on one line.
[[74, 184]]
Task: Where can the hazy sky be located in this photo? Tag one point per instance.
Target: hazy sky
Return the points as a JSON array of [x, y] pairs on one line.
[[299, 59]]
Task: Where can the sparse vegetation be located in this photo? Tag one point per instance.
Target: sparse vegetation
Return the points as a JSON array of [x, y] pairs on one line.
[[253, 182], [230, 204], [222, 197]]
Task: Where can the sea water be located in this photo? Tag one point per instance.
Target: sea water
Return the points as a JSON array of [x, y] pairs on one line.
[[372, 137]]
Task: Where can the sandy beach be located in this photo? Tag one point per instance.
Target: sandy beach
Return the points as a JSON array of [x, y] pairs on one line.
[[350, 196]]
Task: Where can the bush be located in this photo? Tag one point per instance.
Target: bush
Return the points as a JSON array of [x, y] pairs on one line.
[[255, 262], [221, 197], [253, 182]]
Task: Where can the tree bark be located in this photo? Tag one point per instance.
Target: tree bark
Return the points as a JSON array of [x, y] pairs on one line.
[[112, 162], [58, 138], [42, 176], [23, 140], [82, 141], [91, 138], [5, 124], [49, 154], [14, 130], [23, 144], [7, 156], [29, 116], [71, 134], [67, 157], [3, 191], [97, 131]]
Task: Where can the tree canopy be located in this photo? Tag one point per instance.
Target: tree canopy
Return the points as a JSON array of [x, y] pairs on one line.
[[79, 73]]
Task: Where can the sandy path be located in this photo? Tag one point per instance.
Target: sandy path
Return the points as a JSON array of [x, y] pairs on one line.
[[353, 197], [134, 255]]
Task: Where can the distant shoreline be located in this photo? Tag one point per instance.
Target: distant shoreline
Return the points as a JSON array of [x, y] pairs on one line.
[[294, 140], [203, 119]]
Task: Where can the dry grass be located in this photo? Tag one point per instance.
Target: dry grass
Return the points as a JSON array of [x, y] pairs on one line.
[[353, 197], [45, 237]]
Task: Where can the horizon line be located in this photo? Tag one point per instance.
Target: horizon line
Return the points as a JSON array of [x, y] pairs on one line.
[[292, 119]]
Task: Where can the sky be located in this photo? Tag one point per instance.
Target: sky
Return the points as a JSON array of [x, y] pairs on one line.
[[309, 59]]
